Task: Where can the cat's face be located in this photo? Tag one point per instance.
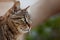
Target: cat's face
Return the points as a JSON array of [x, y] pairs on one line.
[[22, 21]]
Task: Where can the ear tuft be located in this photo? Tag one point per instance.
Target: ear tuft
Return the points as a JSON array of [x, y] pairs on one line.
[[17, 5], [26, 8]]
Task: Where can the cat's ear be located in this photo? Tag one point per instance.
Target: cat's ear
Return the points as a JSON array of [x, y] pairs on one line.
[[26, 8], [17, 5]]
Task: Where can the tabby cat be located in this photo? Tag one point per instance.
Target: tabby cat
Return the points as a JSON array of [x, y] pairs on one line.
[[17, 23]]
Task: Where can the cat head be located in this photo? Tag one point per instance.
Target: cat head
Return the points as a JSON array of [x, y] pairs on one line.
[[22, 20]]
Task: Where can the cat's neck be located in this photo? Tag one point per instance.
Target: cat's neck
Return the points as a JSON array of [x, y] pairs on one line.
[[20, 37]]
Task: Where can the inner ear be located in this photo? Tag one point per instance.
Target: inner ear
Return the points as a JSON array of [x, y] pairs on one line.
[[17, 5]]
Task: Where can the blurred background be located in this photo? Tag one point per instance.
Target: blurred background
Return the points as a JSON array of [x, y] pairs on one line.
[[49, 30]]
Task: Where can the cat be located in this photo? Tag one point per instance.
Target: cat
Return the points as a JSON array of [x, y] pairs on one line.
[[17, 24]]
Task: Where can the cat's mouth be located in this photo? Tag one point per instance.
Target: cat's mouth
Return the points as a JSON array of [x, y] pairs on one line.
[[24, 30]]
